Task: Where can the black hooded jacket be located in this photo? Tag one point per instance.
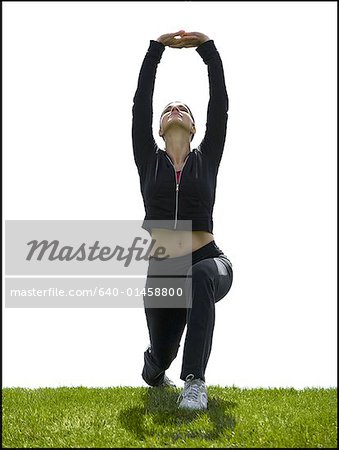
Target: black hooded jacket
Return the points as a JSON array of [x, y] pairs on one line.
[[192, 198]]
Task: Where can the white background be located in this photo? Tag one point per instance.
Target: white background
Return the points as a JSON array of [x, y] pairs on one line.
[[70, 71]]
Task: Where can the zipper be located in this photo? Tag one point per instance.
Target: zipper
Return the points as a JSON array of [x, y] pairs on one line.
[[156, 168], [177, 188]]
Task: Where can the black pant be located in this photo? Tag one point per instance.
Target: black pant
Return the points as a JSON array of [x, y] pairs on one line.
[[208, 279]]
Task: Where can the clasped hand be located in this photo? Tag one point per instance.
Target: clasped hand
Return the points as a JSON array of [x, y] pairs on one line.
[[181, 39]]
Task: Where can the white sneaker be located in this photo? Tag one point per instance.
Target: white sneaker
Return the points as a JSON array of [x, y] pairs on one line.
[[166, 382], [194, 394]]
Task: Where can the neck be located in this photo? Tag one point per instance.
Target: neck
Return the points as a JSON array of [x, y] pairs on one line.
[[177, 146]]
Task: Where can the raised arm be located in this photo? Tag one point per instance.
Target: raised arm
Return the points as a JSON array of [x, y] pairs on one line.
[[217, 112], [142, 135], [142, 111]]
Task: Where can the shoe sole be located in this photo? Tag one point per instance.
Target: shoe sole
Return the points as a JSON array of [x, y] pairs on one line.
[[189, 408]]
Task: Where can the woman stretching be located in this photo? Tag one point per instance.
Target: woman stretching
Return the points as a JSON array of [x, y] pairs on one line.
[[178, 187]]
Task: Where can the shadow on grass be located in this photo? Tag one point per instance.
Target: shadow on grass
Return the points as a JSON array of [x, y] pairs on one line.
[[160, 414]]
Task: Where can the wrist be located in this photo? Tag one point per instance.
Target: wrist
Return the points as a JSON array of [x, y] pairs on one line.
[[204, 42], [206, 39], [160, 41], [156, 42]]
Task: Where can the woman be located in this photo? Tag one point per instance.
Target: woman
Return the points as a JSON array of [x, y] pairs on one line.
[[178, 188]]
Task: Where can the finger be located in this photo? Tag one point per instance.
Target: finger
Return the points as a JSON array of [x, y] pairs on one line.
[[189, 36], [183, 45], [176, 45], [177, 39], [189, 43], [178, 33], [189, 39]]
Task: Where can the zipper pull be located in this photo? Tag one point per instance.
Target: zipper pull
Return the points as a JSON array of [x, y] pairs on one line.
[[177, 187]]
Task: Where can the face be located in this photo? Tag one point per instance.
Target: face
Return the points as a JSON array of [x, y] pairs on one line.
[[176, 113]]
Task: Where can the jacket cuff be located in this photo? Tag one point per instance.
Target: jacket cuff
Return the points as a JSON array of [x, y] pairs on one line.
[[207, 50], [156, 49]]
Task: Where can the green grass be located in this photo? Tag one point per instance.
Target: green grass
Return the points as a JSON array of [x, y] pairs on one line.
[[148, 418]]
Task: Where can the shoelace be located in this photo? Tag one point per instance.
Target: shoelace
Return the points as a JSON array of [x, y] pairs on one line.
[[191, 391]]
